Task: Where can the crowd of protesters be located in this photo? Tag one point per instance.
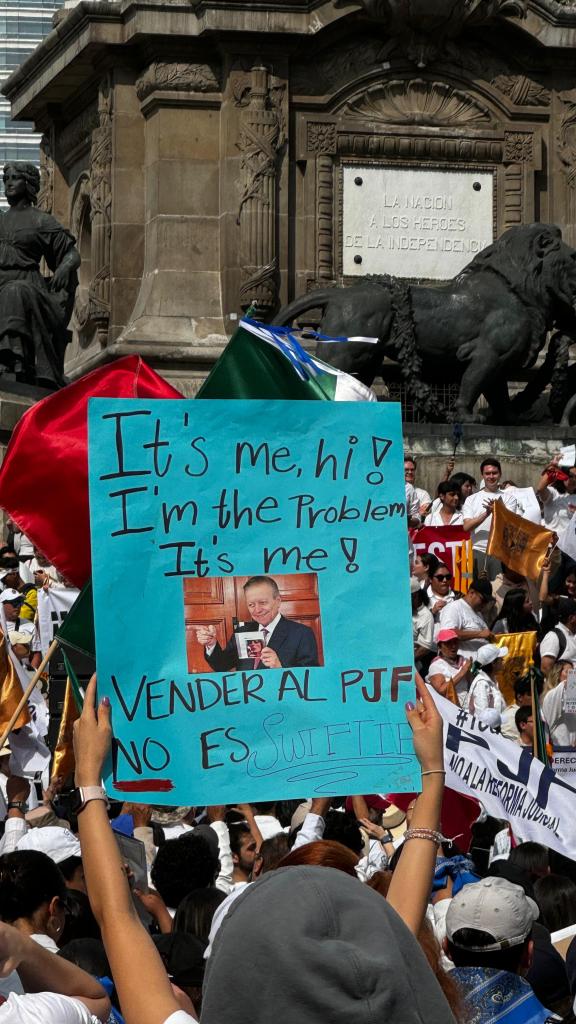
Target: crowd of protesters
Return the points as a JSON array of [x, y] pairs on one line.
[[326, 909], [456, 635]]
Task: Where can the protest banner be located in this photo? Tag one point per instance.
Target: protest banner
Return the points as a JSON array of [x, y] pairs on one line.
[[452, 545], [53, 607], [564, 763], [517, 542], [508, 780], [189, 501], [520, 657]]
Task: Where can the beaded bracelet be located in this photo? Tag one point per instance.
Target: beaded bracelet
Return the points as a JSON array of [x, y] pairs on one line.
[[424, 833]]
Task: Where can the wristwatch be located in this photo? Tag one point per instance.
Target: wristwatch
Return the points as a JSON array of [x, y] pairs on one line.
[[18, 805], [387, 838], [84, 794]]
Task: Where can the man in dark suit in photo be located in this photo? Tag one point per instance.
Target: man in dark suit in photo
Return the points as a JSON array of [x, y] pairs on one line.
[[285, 644]]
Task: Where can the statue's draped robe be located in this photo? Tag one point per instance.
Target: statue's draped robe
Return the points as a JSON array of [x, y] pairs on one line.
[[33, 318]]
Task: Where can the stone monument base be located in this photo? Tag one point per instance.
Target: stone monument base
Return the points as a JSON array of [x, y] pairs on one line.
[[523, 451]]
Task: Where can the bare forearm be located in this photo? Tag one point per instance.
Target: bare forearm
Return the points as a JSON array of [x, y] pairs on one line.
[[42, 971], [544, 587], [360, 807], [129, 948], [471, 524], [107, 884], [411, 883]]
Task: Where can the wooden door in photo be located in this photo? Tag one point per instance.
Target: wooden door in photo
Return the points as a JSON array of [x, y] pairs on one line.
[[207, 602]]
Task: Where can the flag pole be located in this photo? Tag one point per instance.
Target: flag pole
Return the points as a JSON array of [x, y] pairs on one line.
[[28, 691]]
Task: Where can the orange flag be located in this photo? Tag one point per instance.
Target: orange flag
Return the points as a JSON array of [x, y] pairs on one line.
[[519, 660], [11, 692], [517, 542], [63, 763]]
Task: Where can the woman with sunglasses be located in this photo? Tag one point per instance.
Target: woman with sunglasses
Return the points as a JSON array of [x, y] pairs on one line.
[[439, 591]]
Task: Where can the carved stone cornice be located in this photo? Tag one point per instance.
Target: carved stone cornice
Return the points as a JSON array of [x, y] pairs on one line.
[[417, 102], [167, 77], [422, 29]]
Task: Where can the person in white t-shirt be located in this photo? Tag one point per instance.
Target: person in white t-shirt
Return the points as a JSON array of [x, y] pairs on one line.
[[422, 496], [464, 616], [412, 506], [560, 642], [448, 672], [438, 591], [484, 699], [448, 512], [558, 508], [477, 513], [562, 724]]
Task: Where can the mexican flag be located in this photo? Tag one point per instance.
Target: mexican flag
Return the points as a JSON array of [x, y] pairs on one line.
[[271, 362]]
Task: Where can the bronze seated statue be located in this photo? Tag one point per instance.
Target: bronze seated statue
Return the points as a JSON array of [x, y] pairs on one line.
[[34, 310]]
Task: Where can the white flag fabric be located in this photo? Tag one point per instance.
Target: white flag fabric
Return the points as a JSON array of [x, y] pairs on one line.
[[507, 780], [567, 539], [567, 456], [528, 506], [53, 607]]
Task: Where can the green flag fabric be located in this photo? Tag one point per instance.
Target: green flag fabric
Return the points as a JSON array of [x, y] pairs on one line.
[[270, 362], [76, 634]]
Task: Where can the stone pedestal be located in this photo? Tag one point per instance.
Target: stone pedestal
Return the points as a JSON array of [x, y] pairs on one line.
[[199, 152]]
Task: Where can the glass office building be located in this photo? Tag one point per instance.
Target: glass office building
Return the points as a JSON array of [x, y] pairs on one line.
[[23, 24]]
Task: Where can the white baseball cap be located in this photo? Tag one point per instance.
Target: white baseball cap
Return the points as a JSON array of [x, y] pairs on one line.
[[488, 653], [495, 906], [11, 595], [58, 843]]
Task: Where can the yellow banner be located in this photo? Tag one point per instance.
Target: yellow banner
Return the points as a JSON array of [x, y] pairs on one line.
[[463, 566], [517, 542], [521, 647]]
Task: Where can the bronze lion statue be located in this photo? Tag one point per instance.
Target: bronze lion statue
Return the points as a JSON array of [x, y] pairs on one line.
[[480, 329]]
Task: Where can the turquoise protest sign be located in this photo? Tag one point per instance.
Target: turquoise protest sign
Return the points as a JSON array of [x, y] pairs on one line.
[[251, 598]]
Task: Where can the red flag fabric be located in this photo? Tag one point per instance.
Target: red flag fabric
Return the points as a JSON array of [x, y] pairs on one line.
[[448, 543], [44, 476]]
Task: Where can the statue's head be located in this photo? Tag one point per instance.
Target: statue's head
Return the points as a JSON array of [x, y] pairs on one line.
[[535, 260], [29, 174]]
